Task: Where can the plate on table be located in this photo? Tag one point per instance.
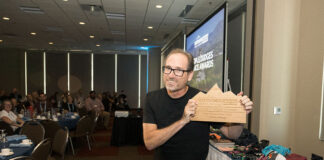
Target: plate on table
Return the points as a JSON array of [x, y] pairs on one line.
[[28, 143], [6, 154]]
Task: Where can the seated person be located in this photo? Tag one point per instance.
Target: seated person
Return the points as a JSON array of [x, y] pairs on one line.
[[69, 105], [122, 104], [9, 117], [93, 103], [17, 107]]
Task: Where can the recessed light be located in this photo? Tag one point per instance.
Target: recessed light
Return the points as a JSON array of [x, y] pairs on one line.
[[65, 0], [50, 43], [149, 27], [81, 23], [145, 39], [91, 36], [1, 40], [6, 18], [158, 6], [98, 45], [33, 33]]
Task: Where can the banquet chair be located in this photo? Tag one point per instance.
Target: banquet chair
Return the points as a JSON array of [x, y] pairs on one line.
[[23, 158], [34, 131], [43, 150], [93, 126], [6, 127], [59, 143], [82, 130], [51, 127], [82, 111]]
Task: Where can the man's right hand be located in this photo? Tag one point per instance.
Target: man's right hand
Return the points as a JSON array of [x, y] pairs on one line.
[[190, 110]]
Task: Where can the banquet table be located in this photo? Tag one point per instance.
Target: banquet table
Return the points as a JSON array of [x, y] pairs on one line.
[[127, 131], [63, 120], [13, 142]]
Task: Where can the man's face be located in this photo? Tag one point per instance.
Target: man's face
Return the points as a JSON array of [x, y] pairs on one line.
[[93, 95], [14, 101], [172, 82], [42, 97]]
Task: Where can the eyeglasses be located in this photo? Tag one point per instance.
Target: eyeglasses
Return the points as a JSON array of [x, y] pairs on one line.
[[177, 72]]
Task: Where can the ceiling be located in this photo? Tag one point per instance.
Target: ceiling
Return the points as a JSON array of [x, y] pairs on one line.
[[115, 24]]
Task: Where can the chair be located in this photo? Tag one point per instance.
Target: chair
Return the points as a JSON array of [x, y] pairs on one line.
[[7, 128], [51, 127], [34, 131], [59, 143], [43, 150], [23, 158], [82, 130], [93, 126], [82, 111]]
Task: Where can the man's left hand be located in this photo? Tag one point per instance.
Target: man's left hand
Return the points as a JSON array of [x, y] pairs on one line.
[[246, 102]]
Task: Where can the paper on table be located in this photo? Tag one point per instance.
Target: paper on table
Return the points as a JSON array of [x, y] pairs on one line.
[[216, 106]]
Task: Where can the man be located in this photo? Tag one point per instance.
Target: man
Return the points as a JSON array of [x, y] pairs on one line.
[[166, 124], [92, 103], [16, 107], [79, 99], [15, 94], [41, 104]]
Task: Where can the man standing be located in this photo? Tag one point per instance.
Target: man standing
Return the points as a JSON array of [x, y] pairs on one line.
[[166, 123], [92, 103]]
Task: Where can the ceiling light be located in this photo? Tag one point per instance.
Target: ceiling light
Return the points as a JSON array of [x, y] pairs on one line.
[[33, 33], [158, 6], [91, 36], [81, 23], [145, 39], [92, 8], [1, 40], [119, 16], [98, 45], [149, 27], [65, 0], [34, 10], [6, 18], [51, 43]]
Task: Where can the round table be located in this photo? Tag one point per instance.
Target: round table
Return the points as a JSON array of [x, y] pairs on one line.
[[18, 151]]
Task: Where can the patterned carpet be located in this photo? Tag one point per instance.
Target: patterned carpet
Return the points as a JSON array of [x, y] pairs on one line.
[[101, 149]]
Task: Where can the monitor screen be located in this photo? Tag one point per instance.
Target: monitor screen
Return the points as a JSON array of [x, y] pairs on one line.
[[206, 43]]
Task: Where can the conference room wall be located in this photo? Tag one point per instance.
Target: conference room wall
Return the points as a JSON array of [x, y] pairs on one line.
[[104, 72], [56, 72], [127, 78], [288, 73], [144, 79], [80, 73], [12, 69], [35, 76]]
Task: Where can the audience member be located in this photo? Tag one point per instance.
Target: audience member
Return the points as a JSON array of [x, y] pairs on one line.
[[79, 99], [92, 103], [15, 94], [16, 106], [105, 102], [41, 105], [69, 105], [122, 105], [35, 96], [9, 117]]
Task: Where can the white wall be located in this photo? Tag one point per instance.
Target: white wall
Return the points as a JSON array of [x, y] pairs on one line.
[[288, 73]]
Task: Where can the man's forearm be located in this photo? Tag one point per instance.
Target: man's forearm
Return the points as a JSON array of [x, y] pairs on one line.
[[157, 137]]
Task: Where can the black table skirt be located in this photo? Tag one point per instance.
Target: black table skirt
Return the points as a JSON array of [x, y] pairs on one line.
[[127, 131]]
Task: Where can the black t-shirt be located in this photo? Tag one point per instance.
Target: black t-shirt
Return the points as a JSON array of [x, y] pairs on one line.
[[189, 143]]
